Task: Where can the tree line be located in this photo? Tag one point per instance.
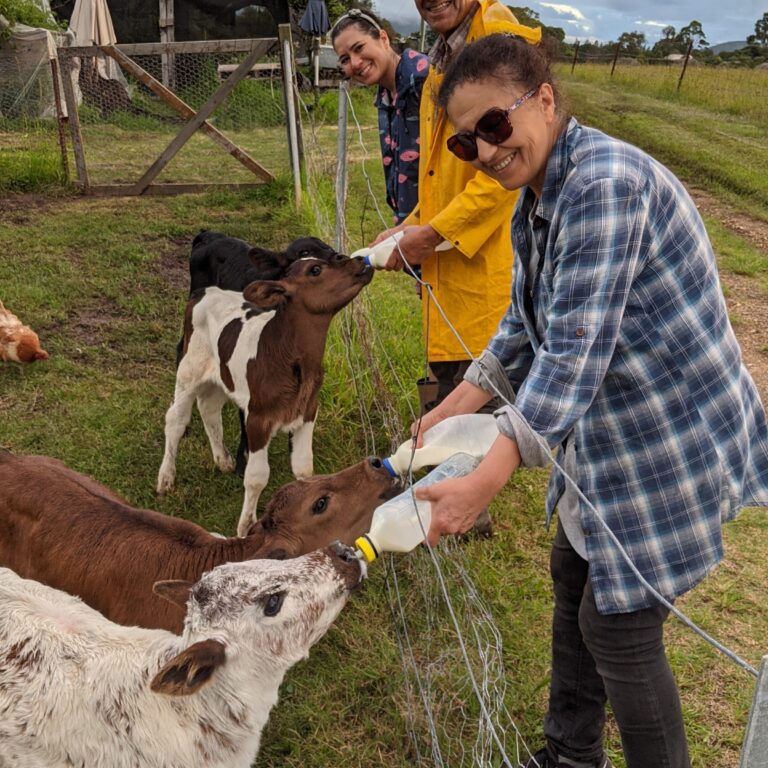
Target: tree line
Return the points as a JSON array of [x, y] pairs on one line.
[[673, 41]]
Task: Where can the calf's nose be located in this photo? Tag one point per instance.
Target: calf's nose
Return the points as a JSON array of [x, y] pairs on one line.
[[347, 554]]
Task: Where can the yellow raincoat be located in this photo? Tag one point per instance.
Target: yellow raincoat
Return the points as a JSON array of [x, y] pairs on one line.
[[472, 280]]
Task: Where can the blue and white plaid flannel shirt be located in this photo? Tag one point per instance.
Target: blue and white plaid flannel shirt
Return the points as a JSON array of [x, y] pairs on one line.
[[630, 354]]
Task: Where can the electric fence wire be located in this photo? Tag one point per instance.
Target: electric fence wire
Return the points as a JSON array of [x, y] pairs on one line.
[[489, 727]]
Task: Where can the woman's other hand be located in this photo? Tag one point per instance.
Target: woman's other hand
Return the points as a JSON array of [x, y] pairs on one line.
[[386, 233], [465, 398]]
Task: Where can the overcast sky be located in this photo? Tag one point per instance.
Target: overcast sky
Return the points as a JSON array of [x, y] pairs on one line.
[[604, 20]]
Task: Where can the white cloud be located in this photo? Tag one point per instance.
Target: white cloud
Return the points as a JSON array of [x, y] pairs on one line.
[[585, 27], [659, 24], [565, 10]]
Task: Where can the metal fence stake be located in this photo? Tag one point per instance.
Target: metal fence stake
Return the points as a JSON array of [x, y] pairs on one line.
[[754, 751]]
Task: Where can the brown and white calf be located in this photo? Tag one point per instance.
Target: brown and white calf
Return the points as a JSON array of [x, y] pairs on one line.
[[78, 690], [262, 349], [232, 264], [65, 530]]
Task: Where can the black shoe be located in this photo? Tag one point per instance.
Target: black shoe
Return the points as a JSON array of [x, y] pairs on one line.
[[483, 526], [547, 758]]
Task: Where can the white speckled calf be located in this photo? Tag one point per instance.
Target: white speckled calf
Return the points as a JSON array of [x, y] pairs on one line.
[[78, 690]]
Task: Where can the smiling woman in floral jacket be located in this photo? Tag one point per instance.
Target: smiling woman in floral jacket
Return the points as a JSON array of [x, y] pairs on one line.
[[366, 55]]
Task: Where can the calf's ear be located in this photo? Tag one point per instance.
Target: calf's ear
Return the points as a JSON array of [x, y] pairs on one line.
[[190, 670], [266, 294], [266, 261], [174, 591]]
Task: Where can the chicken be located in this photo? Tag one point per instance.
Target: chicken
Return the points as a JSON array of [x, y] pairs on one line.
[[18, 342]]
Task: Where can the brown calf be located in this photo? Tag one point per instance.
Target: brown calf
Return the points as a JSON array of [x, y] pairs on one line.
[[68, 531]]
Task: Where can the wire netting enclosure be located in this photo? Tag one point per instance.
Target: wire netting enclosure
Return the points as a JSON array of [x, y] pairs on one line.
[[26, 82], [134, 119]]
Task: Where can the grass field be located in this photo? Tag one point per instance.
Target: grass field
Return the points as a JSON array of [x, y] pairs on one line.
[[740, 93], [103, 281], [720, 144]]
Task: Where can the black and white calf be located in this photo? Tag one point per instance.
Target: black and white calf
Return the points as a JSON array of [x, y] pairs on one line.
[[262, 349], [78, 690], [230, 263]]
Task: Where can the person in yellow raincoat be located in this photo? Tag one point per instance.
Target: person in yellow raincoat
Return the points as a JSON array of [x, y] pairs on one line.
[[472, 279]]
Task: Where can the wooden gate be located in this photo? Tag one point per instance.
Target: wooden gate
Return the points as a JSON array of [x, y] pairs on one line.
[[191, 120]]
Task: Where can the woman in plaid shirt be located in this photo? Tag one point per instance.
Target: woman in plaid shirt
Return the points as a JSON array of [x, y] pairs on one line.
[[617, 351]]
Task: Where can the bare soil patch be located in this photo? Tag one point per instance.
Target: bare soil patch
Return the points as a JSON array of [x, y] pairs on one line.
[[20, 209], [748, 307], [746, 297], [173, 263], [752, 230]]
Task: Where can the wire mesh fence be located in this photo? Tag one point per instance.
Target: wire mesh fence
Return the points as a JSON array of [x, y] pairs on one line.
[[26, 80], [455, 701]]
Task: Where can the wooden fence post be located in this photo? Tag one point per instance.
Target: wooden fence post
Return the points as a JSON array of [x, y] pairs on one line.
[[575, 54], [167, 35], [615, 57], [341, 168], [685, 64], [61, 119], [291, 111], [74, 123]]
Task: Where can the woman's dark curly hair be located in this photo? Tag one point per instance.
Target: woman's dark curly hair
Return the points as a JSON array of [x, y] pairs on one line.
[[504, 58]]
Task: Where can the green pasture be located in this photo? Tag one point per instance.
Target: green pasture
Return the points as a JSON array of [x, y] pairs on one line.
[[739, 92], [719, 144], [103, 281]]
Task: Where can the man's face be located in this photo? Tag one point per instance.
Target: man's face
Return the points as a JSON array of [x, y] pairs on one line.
[[444, 15]]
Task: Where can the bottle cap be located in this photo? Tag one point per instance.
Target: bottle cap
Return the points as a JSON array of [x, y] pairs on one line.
[[388, 466], [365, 545]]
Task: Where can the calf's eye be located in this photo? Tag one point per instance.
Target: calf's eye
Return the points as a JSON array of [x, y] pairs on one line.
[[320, 505], [273, 604], [315, 270]]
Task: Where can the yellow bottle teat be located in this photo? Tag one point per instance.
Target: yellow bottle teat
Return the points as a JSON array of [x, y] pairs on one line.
[[365, 546]]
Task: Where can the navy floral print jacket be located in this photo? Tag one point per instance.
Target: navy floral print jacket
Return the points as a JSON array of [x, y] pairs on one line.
[[399, 132]]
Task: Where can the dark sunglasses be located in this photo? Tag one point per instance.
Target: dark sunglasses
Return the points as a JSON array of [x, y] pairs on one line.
[[493, 127]]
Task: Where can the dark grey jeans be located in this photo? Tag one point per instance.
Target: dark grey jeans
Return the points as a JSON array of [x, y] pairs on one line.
[[619, 658]]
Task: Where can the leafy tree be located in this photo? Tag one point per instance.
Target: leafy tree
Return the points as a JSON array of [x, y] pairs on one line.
[[761, 30], [526, 15], [669, 43], [693, 32], [531, 18], [632, 43], [24, 12]]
